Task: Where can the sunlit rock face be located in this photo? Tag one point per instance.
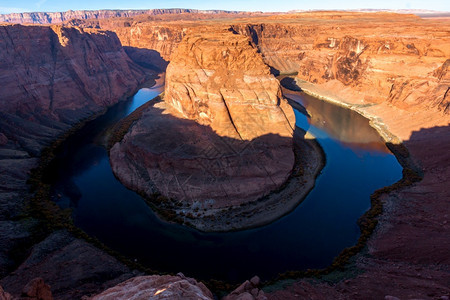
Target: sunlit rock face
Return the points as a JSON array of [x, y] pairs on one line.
[[218, 79], [223, 135], [362, 58]]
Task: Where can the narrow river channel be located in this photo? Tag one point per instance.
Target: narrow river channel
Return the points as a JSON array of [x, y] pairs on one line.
[[358, 163]]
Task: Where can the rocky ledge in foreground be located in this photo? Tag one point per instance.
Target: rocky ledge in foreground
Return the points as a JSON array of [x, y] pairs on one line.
[[222, 137]]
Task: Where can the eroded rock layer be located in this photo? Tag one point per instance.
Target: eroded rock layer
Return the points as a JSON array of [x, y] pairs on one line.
[[223, 135], [362, 58]]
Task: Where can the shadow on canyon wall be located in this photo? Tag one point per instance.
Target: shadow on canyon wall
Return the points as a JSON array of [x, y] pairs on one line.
[[147, 58], [430, 149], [289, 83]]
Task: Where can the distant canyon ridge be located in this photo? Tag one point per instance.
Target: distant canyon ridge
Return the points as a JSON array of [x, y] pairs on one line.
[[60, 17]]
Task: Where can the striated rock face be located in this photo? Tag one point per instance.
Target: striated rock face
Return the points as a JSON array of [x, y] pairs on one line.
[[362, 58], [45, 68], [157, 287], [52, 77], [223, 135], [218, 79]]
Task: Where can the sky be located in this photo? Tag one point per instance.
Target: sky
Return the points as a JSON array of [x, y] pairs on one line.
[[10, 6]]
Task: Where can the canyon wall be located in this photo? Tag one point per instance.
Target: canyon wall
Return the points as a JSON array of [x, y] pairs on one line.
[[52, 77], [222, 136], [362, 58]]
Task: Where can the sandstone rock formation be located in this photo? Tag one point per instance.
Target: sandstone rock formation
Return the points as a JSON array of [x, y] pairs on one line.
[[157, 287], [223, 135], [55, 76], [360, 57], [219, 80]]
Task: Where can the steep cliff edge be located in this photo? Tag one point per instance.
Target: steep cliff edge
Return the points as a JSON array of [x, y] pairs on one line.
[[221, 139], [363, 58], [52, 77]]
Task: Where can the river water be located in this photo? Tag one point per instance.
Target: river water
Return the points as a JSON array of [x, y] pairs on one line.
[[358, 163]]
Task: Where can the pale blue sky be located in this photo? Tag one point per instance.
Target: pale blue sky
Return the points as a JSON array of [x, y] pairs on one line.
[[8, 6]]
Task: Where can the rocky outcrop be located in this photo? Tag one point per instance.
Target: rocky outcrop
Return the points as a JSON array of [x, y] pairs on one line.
[[60, 17], [219, 80], [223, 135], [158, 287], [55, 76], [4, 295], [37, 289], [249, 290], [71, 266]]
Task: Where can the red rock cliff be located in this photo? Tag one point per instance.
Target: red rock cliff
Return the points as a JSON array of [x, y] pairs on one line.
[[51, 78], [59, 75], [218, 79], [360, 57]]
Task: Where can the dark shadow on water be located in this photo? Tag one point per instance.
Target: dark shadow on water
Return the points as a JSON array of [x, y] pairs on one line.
[[289, 83]]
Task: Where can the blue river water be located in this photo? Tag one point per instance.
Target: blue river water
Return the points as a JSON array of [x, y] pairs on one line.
[[319, 228]]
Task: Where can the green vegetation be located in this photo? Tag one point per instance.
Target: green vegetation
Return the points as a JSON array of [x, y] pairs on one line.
[[122, 127]]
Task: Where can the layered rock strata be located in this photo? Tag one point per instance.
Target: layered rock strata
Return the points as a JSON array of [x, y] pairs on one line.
[[361, 57], [223, 135]]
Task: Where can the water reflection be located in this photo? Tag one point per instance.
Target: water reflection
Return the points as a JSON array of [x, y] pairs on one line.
[[341, 124]]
